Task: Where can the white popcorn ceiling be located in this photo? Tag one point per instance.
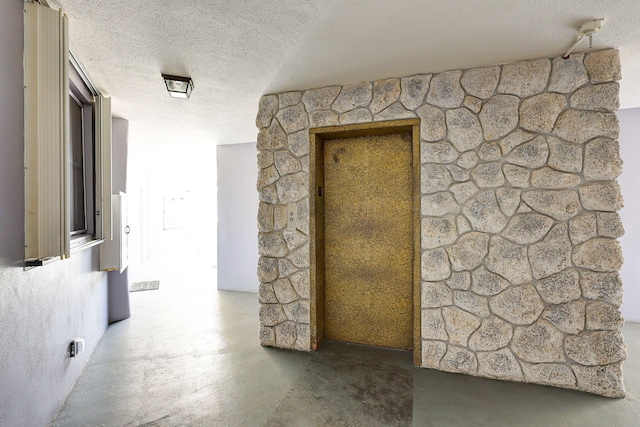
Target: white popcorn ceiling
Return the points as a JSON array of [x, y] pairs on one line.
[[237, 51]]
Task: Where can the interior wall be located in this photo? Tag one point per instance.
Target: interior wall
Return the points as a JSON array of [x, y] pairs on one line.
[[630, 153], [237, 211], [44, 308]]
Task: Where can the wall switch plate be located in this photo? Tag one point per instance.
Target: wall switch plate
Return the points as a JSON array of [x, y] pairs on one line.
[[292, 216]]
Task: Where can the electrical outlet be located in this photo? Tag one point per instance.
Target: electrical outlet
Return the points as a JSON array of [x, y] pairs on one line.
[[76, 347]]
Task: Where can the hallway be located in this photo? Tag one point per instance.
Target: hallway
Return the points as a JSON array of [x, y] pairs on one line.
[[189, 356]]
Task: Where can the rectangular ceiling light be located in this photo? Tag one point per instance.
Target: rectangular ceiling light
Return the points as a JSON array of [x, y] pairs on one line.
[[178, 87]]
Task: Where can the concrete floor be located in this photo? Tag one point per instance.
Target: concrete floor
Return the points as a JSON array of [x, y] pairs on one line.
[[189, 356]]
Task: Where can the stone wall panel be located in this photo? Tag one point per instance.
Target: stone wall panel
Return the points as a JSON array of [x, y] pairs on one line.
[[519, 257]]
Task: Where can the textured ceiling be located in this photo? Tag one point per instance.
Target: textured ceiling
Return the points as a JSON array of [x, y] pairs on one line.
[[236, 51]]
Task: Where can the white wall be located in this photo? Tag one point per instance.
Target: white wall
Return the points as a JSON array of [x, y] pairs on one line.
[[43, 309], [237, 216], [630, 183]]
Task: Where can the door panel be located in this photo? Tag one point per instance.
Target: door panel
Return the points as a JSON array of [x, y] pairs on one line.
[[368, 226]]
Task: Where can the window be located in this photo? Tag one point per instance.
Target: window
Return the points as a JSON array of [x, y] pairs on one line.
[[67, 145]]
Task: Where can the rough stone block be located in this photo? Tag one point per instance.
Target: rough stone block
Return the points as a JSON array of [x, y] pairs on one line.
[[267, 336], [527, 228], [509, 260], [472, 303], [437, 152], [266, 295], [508, 199], [582, 228], [483, 212], [323, 118], [300, 257], [459, 280], [385, 93], [596, 348], [487, 283], [293, 119], [457, 173], [459, 324], [438, 231], [468, 160], [353, 96], [267, 108], [298, 311], [564, 156], [552, 254], [272, 138], [286, 267], [609, 224], [554, 374], [568, 317], [602, 286], [432, 324], [265, 217], [435, 265], [472, 103], [481, 82], [549, 178], [435, 294], [532, 154], [603, 316], [463, 191], [292, 188], [299, 143], [464, 128], [580, 126], [432, 123], [286, 335], [394, 112], [459, 360], [602, 380], [445, 90], [287, 99], [499, 116], [272, 245], [538, 343], [568, 74], [284, 291], [539, 113], [525, 78], [519, 305], [602, 159], [599, 254], [603, 97], [286, 163], [516, 176], [267, 269], [413, 90], [359, 115], [488, 175], [558, 204], [303, 337], [499, 364], [489, 151], [469, 251], [272, 314], [439, 204], [603, 66], [432, 352], [493, 334], [264, 159], [434, 178], [560, 287], [515, 139], [300, 282], [320, 99]]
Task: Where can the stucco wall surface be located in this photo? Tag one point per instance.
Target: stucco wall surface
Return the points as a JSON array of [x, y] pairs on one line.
[[43, 309], [519, 203]]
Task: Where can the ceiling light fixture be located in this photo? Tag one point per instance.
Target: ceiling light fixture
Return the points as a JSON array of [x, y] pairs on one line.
[[588, 29], [178, 87]]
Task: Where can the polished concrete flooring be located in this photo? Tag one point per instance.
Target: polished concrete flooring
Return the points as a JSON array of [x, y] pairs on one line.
[[189, 356]]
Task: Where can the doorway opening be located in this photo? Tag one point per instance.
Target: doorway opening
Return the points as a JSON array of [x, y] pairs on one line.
[[365, 234]]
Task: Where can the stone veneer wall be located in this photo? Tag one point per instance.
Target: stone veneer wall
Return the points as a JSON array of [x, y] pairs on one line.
[[519, 215]]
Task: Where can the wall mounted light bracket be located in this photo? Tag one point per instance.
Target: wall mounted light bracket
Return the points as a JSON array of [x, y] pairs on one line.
[[178, 87], [588, 29]]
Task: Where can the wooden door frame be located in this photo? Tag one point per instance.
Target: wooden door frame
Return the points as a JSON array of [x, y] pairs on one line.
[[317, 136]]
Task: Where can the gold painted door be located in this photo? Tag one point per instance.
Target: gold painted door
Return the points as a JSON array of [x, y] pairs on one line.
[[368, 226]]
